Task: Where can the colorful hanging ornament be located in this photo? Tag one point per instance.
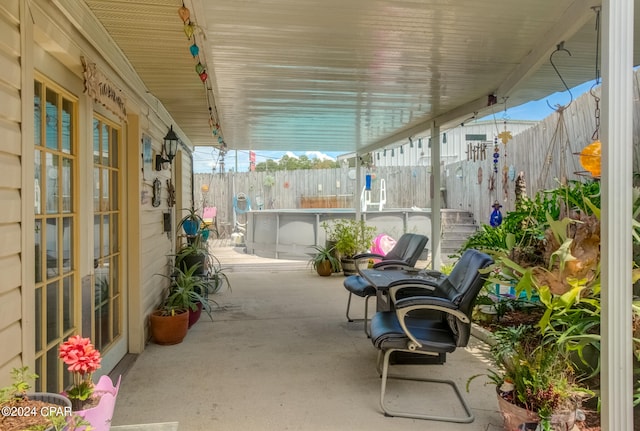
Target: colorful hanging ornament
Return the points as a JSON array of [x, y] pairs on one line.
[[203, 76], [199, 68], [194, 50], [496, 154], [590, 158], [495, 219], [184, 13], [189, 29]]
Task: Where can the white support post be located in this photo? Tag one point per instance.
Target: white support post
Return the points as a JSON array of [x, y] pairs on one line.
[[616, 245], [436, 202]]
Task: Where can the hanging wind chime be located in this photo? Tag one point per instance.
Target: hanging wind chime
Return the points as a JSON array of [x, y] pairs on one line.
[[590, 156]]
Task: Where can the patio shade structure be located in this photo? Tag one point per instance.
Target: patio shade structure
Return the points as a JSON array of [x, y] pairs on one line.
[[357, 76]]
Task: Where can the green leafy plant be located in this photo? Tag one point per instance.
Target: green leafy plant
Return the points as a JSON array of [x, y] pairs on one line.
[[325, 254], [18, 389], [349, 236], [187, 291], [192, 216]]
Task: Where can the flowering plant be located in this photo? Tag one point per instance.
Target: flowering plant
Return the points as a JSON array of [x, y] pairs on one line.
[[83, 360]]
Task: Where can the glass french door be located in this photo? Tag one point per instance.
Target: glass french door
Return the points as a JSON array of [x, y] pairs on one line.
[[107, 328], [56, 229]]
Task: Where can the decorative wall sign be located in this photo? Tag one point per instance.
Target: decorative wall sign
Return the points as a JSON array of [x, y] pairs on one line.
[[146, 158], [157, 190], [102, 90]]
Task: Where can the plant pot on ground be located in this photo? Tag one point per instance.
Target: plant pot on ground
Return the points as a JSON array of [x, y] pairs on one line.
[[29, 407], [534, 381], [324, 261], [169, 326], [188, 291], [351, 237]]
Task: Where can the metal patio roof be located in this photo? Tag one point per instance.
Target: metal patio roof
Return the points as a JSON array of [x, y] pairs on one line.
[[348, 75]]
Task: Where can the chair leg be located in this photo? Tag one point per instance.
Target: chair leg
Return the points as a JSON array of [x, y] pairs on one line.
[[366, 316], [349, 319], [417, 415]]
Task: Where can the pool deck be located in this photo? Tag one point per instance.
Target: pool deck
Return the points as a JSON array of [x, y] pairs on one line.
[[280, 354]]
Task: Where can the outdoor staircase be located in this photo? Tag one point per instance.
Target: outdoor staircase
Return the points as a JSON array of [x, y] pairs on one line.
[[457, 226]]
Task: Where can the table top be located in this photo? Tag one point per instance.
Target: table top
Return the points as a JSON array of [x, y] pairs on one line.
[[385, 279]]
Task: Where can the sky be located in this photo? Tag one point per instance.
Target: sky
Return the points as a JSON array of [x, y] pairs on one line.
[[205, 158]]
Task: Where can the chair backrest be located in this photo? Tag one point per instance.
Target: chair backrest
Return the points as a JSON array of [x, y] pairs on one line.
[[408, 248], [462, 287]]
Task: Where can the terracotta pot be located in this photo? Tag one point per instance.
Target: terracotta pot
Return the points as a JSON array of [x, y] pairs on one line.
[[167, 330], [324, 268]]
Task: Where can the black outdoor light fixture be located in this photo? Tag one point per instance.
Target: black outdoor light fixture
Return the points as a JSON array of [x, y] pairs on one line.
[[169, 148]]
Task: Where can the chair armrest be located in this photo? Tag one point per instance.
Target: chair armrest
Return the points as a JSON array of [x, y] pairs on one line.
[[367, 255], [407, 305], [425, 286], [392, 264]]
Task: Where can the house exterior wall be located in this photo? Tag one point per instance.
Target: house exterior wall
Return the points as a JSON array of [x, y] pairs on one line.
[[11, 310], [39, 38]]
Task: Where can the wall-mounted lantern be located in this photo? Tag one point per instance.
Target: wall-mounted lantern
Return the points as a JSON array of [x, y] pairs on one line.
[[169, 149]]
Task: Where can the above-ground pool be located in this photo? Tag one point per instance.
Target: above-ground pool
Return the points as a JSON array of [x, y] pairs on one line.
[[291, 234]]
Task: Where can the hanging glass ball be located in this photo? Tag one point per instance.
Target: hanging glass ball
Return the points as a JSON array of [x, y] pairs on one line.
[[194, 50], [219, 139], [495, 161], [496, 155], [590, 158], [203, 76], [199, 68]]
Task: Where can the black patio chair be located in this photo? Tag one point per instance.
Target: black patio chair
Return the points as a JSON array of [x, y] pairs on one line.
[[403, 255], [431, 325]]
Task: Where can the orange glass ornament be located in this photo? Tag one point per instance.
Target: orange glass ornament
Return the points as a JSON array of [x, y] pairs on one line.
[[184, 14], [590, 157]]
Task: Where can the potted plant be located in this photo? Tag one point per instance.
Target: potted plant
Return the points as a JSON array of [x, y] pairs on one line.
[[535, 382], [324, 261], [47, 411], [191, 223], [193, 254], [169, 325], [94, 403], [216, 277], [350, 237], [187, 291]]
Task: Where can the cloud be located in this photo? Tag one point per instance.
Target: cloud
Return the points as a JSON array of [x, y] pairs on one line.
[[319, 155], [291, 155]]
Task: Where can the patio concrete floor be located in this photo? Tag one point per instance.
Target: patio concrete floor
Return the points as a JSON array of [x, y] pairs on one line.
[[280, 355]]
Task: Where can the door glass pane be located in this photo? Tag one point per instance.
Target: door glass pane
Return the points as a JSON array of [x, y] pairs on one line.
[[114, 148], [105, 145], [67, 125], [115, 276], [52, 246], [67, 181], [51, 120], [116, 317], [96, 237], [38, 385], [53, 368], [114, 191], [67, 244], [105, 235], [67, 304], [105, 206], [96, 189], [38, 192], [37, 113], [38, 319], [115, 245], [51, 169], [96, 141], [38, 250], [52, 299]]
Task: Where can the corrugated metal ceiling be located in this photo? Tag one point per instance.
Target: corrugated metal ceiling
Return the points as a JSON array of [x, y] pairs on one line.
[[347, 75]]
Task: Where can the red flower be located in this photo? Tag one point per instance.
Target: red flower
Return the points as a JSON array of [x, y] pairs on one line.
[[80, 355]]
